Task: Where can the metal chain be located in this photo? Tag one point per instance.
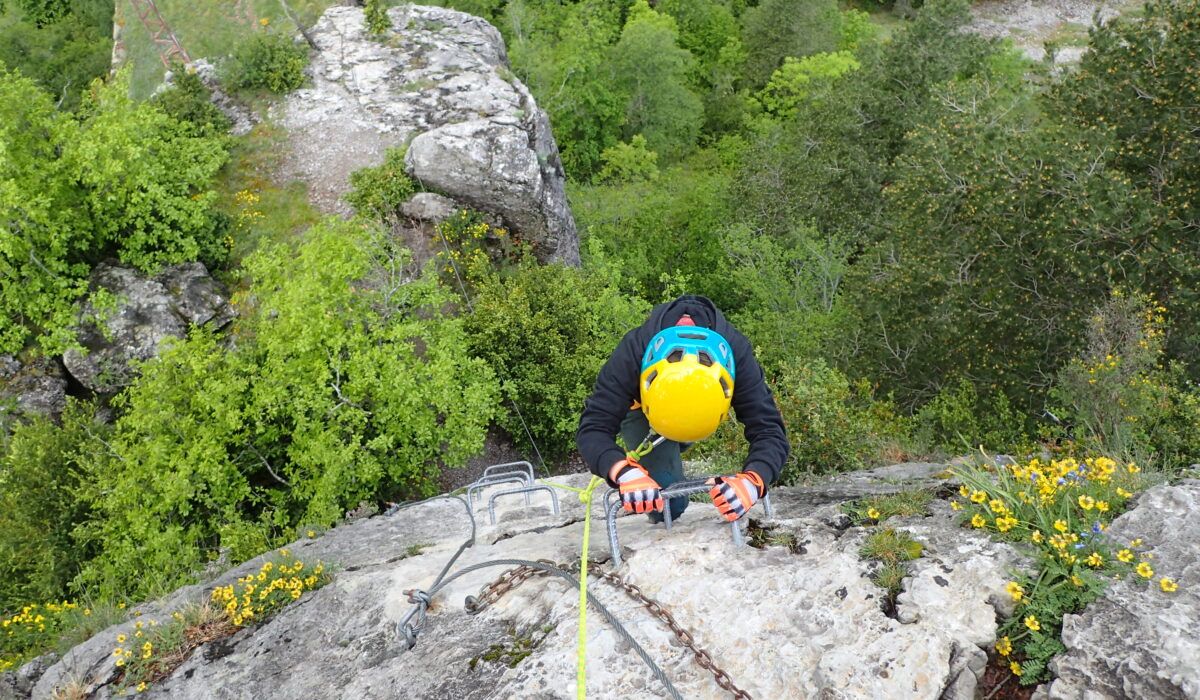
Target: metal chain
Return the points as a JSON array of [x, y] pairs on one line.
[[514, 577]]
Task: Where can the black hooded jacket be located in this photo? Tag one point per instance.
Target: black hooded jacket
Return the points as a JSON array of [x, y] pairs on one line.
[[616, 390]]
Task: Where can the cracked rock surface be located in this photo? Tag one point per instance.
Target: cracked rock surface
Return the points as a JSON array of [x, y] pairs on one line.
[[439, 83], [782, 624]]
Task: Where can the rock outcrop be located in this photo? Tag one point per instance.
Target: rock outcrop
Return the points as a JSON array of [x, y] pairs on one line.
[[1134, 643], [38, 387], [798, 617], [439, 83], [802, 620], [148, 310]]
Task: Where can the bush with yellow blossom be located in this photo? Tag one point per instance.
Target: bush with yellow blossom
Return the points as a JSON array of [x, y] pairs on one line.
[[280, 580], [1062, 508], [33, 630]]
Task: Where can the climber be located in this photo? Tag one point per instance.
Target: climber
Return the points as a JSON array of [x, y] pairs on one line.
[[677, 375]]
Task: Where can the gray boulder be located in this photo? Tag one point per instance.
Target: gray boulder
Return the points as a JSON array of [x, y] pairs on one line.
[[438, 83], [149, 310], [1137, 641], [36, 388]]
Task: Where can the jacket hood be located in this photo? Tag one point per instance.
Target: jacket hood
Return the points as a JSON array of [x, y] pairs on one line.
[[701, 309]]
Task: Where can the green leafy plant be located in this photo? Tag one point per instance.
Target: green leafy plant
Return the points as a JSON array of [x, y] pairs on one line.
[[893, 549], [267, 61], [546, 330], [876, 509], [629, 162], [1062, 509], [375, 12], [379, 191]]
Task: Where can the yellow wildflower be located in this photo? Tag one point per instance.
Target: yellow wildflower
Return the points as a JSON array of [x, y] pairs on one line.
[[872, 514], [121, 639], [1125, 556], [1087, 502], [1167, 585], [1144, 570], [141, 687], [1036, 536], [1032, 623], [1014, 589], [1077, 581], [1136, 543], [1094, 560], [1060, 525], [1004, 646], [1015, 668], [964, 491], [978, 520], [955, 505], [997, 506], [1133, 468], [978, 497]]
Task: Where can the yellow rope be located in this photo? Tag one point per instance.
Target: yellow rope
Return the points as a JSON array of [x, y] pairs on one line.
[[585, 497]]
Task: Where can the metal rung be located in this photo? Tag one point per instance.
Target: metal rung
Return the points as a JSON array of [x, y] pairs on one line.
[[497, 467], [525, 490], [476, 488], [679, 490]]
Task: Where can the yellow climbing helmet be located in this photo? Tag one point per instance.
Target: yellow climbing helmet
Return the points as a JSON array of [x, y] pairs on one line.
[[686, 382]]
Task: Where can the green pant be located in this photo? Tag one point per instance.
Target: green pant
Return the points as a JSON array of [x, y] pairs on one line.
[[664, 462]]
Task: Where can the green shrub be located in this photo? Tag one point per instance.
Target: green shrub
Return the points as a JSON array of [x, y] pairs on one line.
[[268, 61], [959, 420], [189, 101], [629, 162], [348, 383], [376, 16], [40, 506], [833, 424], [545, 331], [379, 191]]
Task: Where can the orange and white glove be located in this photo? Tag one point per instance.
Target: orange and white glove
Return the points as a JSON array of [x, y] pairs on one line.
[[735, 495], [639, 492]]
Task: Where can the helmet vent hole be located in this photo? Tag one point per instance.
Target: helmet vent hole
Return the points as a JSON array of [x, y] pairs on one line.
[[704, 358], [693, 336], [725, 388], [675, 356], [650, 379]]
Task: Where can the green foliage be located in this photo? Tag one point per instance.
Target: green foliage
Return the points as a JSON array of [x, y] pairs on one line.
[[629, 162], [959, 419], [649, 71], [662, 227], [189, 102], [267, 61], [145, 179], [876, 509], [40, 471], [123, 179], [378, 192], [1135, 95], [348, 383], [789, 84], [833, 424], [786, 290], [779, 28], [1063, 509], [61, 46], [891, 546], [545, 331], [377, 19]]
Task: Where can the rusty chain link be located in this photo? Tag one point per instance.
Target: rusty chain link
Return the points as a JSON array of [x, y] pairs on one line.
[[514, 577]]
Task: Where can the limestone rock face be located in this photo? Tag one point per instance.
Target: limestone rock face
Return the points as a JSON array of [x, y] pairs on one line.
[[1136, 641], [439, 83], [784, 622], [36, 388], [148, 310]]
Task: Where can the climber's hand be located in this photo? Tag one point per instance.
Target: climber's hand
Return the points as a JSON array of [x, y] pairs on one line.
[[735, 495], [639, 492]]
